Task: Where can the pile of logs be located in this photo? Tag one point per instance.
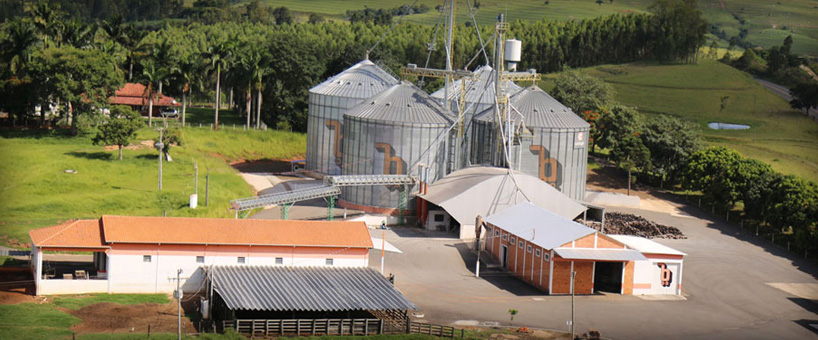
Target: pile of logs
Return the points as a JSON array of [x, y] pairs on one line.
[[628, 224]]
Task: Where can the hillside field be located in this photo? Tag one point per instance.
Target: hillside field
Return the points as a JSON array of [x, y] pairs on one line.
[[36, 192], [779, 135], [768, 22]]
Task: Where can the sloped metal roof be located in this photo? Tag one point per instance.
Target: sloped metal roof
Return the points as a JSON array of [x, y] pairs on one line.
[[309, 289], [539, 226], [600, 254], [540, 110], [484, 191], [403, 103], [479, 89], [646, 246], [362, 80]]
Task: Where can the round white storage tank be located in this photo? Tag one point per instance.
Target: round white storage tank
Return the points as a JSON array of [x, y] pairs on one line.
[[327, 103], [557, 149], [387, 134], [513, 52]]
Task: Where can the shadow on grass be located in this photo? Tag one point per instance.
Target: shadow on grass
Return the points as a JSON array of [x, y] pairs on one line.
[[91, 155], [35, 133]]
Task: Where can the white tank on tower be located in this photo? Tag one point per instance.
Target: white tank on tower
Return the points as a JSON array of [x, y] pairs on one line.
[[513, 53]]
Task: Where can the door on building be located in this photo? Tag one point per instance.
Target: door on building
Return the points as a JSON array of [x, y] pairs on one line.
[[504, 256], [608, 277]]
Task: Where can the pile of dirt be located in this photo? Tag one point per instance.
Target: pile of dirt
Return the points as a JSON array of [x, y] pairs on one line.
[[628, 224], [116, 318]]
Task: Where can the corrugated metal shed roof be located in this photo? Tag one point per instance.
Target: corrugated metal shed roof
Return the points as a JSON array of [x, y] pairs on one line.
[[600, 254], [645, 246], [402, 103], [478, 90], [540, 110], [362, 80], [325, 289], [539, 226], [484, 191]]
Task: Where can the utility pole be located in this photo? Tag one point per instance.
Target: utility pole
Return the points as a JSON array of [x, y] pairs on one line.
[[207, 185], [573, 275], [178, 305], [160, 146], [383, 248]]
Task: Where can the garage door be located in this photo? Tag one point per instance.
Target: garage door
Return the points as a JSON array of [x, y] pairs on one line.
[[665, 278]]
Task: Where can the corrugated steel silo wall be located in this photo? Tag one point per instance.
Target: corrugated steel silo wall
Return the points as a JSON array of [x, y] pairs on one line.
[[367, 145], [482, 143], [325, 117], [564, 156], [558, 157]]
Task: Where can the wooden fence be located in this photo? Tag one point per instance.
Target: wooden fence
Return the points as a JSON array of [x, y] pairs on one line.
[[430, 329], [305, 327]]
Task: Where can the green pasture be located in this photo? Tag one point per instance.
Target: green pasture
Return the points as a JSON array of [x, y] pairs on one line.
[[779, 135], [37, 191], [485, 15], [767, 22]]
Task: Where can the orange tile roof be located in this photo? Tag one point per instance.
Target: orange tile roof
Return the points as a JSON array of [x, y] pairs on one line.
[[189, 230], [71, 234], [134, 94]]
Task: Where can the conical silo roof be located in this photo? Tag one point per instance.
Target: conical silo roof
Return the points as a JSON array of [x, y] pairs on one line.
[[402, 103], [362, 80], [539, 110], [480, 89]]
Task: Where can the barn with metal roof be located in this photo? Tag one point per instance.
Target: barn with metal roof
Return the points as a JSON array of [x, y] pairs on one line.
[[543, 249], [270, 292]]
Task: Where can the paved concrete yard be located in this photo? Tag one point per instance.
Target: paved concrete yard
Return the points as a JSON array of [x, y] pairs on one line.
[[730, 284]]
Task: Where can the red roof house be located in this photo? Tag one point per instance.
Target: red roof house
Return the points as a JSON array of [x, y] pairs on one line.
[[136, 96]]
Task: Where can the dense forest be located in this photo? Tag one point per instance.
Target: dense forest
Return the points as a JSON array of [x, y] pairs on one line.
[[281, 60]]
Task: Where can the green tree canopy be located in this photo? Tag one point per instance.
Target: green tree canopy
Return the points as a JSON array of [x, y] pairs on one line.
[[119, 129], [84, 79], [582, 92], [671, 141]]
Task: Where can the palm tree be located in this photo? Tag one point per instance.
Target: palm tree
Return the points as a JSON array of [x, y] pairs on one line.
[[18, 44], [126, 36], [219, 55], [188, 73], [78, 34], [151, 75], [162, 54], [47, 20]]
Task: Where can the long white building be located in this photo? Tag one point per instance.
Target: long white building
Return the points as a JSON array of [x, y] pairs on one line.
[[143, 254]]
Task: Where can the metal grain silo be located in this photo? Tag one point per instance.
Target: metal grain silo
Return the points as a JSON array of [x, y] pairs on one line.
[[387, 134], [479, 94], [327, 103], [552, 144]]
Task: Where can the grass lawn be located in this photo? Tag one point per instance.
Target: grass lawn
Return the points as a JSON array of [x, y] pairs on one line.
[[35, 321], [37, 192], [77, 302], [779, 135]]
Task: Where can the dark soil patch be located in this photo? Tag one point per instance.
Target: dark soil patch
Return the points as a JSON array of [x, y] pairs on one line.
[[16, 286], [115, 318], [264, 165]]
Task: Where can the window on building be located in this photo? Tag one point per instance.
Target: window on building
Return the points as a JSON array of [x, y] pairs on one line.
[[146, 258], [240, 259], [521, 244], [439, 217], [199, 259], [547, 257], [505, 237], [528, 249], [537, 253], [328, 262], [512, 241], [496, 232], [279, 260]]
